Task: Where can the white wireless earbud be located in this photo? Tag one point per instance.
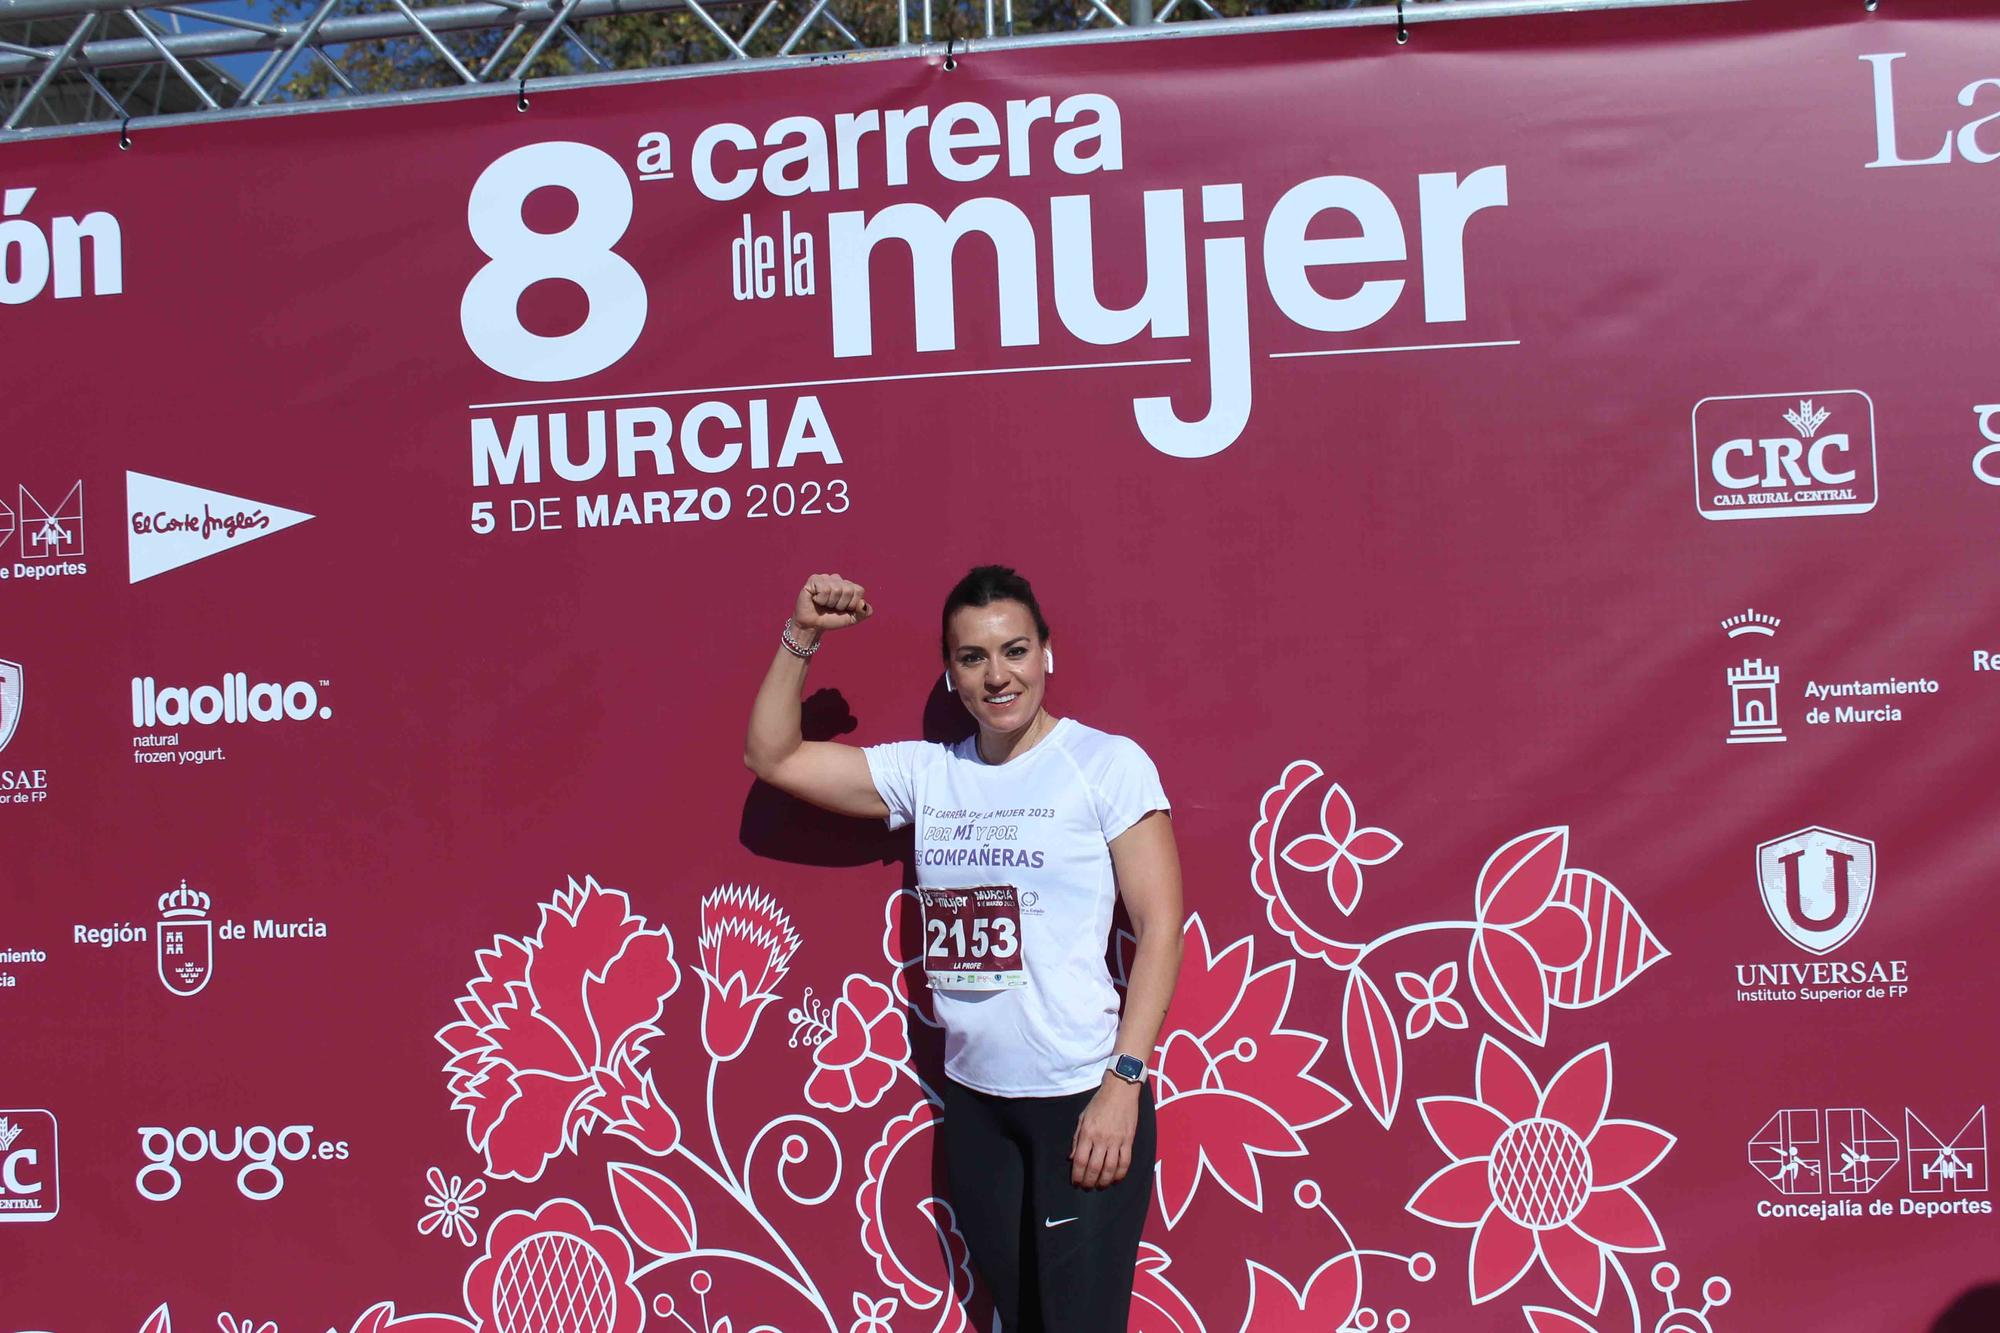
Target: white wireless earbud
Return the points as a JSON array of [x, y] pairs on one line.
[[1048, 661], [949, 688]]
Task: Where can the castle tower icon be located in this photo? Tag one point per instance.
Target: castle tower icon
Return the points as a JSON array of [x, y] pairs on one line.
[[1753, 704]]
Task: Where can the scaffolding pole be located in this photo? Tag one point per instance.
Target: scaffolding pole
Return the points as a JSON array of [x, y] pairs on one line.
[[154, 43]]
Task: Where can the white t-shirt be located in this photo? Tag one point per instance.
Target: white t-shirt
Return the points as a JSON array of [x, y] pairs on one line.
[[1044, 823]]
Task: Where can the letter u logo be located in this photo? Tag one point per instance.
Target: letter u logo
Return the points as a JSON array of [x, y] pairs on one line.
[[1795, 906]]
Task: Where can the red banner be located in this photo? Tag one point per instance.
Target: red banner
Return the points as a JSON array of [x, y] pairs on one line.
[[1530, 490]]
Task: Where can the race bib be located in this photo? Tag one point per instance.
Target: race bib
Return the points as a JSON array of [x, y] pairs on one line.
[[972, 938]]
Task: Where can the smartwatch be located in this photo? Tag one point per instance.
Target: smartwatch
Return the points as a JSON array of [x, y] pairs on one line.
[[1130, 1068]]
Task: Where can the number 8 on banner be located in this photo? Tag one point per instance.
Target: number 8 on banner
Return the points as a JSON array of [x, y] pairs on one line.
[[580, 253]]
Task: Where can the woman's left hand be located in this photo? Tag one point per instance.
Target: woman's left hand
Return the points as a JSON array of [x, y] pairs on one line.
[[1100, 1152]]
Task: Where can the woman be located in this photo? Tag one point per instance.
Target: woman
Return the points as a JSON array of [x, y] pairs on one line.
[[1024, 832]]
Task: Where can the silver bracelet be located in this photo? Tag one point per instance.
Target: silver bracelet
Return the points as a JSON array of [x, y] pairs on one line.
[[793, 646]]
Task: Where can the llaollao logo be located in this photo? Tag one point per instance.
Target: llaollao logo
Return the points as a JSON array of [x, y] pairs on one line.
[[231, 699]]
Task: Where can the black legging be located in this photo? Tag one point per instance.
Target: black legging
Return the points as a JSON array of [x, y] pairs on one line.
[[1058, 1259]]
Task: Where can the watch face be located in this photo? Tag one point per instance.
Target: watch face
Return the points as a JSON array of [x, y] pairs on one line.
[[1130, 1068]]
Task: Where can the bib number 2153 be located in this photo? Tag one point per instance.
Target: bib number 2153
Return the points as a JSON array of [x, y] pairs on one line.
[[972, 938]]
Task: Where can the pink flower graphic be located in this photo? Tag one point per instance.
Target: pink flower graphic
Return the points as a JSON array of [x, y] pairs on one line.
[[911, 987], [912, 1234], [1527, 931], [554, 1271], [452, 1209], [1286, 907], [1340, 848], [858, 1045], [1330, 1298], [1234, 1084], [1541, 1173], [1430, 1000], [381, 1317], [1157, 1304], [747, 942], [551, 1031]]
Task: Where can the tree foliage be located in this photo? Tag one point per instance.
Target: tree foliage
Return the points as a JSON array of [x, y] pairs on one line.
[[680, 36]]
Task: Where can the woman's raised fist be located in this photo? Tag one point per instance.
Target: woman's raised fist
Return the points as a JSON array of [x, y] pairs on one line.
[[830, 602]]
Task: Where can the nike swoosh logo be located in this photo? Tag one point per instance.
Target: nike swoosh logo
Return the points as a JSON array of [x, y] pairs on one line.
[[1057, 1221]]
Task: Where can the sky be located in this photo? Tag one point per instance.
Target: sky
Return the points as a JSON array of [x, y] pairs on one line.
[[241, 67]]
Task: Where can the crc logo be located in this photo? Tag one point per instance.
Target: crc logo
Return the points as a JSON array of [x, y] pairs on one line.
[[1817, 885], [29, 1188], [1785, 455], [261, 1150]]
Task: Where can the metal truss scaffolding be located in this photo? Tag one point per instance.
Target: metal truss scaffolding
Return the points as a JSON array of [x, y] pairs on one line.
[[76, 65]]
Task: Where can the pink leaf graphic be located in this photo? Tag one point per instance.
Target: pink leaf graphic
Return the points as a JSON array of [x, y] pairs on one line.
[[381, 1318], [625, 997], [1544, 1320], [159, 1321], [1372, 846], [654, 1210], [1374, 1049], [1313, 851], [582, 926], [1519, 878], [1508, 981], [1619, 947]]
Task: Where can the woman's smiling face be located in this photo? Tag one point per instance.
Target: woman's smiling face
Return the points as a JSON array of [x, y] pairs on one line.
[[997, 666]]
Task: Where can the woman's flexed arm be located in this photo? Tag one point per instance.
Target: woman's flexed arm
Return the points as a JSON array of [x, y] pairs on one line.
[[825, 773]]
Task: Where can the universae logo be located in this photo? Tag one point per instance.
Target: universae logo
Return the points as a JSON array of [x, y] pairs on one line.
[[13, 687], [1784, 455], [1817, 884]]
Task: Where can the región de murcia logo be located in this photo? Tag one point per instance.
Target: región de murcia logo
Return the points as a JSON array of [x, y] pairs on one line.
[[185, 940]]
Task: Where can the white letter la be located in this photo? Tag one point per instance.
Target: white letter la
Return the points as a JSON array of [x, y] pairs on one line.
[[1885, 117]]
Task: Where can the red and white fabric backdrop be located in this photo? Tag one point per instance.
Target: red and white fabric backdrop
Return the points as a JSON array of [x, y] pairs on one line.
[[1529, 490]]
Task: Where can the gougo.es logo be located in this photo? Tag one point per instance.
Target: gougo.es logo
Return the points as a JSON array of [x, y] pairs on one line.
[[1986, 462], [261, 1150]]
